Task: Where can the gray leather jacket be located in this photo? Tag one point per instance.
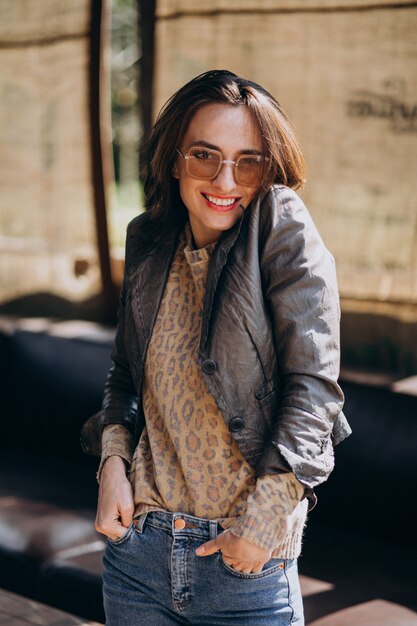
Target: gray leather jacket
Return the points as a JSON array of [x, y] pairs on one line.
[[269, 348]]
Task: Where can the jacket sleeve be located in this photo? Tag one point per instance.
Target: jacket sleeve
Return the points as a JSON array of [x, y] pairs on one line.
[[120, 401], [300, 290]]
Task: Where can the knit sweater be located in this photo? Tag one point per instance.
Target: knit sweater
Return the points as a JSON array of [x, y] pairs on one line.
[[186, 459]]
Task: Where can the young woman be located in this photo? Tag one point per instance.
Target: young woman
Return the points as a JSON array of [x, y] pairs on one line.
[[222, 406]]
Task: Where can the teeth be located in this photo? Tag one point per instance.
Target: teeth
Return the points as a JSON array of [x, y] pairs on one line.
[[221, 201]]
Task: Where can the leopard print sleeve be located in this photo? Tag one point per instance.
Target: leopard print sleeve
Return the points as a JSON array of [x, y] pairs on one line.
[[273, 510], [116, 441]]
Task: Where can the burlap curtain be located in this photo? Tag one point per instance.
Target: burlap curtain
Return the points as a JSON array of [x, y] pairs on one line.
[[48, 231], [346, 73]]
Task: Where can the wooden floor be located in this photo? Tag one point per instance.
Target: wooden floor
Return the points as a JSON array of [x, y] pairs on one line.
[[19, 611], [374, 613]]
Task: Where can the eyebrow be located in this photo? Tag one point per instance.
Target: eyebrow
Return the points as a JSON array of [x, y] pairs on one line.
[[206, 144]]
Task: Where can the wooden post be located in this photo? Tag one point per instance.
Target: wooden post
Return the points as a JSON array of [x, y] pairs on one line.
[[146, 28], [100, 153]]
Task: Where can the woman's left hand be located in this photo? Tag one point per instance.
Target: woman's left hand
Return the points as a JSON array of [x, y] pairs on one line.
[[240, 554]]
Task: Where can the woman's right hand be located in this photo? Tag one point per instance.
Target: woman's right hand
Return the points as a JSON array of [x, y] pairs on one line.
[[115, 499]]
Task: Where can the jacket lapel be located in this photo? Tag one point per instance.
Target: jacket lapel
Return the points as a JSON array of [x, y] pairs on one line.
[[218, 261], [147, 281], [149, 274]]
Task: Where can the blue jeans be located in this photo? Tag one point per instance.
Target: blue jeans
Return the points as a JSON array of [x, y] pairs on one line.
[[152, 577]]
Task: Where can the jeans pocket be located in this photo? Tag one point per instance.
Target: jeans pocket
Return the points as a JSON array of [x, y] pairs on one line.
[[122, 539], [271, 567]]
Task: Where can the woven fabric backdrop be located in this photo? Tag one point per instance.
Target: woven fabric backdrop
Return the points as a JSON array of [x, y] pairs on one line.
[[47, 231], [346, 73]]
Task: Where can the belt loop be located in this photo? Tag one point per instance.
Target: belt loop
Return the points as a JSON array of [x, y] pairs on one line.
[[139, 522], [213, 529]]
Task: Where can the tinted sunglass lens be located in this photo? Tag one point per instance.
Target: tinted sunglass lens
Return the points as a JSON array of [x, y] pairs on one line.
[[250, 171], [203, 163]]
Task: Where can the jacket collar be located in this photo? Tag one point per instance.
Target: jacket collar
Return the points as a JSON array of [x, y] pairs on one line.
[[149, 274], [147, 280]]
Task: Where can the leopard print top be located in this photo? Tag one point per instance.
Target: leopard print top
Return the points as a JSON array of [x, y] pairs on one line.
[[186, 459]]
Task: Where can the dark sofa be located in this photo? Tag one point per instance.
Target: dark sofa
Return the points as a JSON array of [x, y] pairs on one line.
[[359, 555], [52, 381]]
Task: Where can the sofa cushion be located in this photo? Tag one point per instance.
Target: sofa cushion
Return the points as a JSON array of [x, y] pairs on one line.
[[79, 569], [370, 488], [32, 532], [40, 530], [56, 376], [351, 569], [63, 481]]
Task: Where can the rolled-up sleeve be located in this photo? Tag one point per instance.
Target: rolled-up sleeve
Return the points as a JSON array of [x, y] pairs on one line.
[[116, 441]]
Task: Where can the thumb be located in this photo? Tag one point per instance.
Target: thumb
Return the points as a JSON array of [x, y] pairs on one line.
[[126, 515], [210, 547]]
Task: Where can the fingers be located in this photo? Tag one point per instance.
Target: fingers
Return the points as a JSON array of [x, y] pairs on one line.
[[258, 568], [210, 547], [126, 514], [115, 507], [246, 568], [112, 525], [115, 533], [237, 553], [113, 518]]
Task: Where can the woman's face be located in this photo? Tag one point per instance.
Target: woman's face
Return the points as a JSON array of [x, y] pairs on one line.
[[214, 205]]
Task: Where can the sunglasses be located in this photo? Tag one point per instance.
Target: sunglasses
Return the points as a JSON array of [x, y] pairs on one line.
[[205, 164]]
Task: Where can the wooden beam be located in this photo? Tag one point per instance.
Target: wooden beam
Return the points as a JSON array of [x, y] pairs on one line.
[[146, 30], [100, 153]]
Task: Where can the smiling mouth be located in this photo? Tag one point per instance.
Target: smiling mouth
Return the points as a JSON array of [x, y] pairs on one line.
[[221, 204]]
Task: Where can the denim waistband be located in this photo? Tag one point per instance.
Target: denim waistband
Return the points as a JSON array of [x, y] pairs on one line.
[[179, 524]]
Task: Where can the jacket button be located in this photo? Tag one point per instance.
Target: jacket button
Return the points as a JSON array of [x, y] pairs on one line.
[[236, 424], [209, 366]]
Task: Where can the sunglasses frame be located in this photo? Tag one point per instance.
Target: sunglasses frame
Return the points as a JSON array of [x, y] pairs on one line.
[[222, 161]]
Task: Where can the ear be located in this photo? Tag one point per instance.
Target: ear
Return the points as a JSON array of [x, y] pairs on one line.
[[174, 170]]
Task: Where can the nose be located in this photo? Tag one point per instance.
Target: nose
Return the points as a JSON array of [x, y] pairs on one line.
[[225, 179]]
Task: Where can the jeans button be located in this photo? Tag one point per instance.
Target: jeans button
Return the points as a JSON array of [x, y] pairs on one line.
[[179, 524]]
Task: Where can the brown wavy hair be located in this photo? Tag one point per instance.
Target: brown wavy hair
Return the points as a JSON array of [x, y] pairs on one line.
[[286, 164]]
